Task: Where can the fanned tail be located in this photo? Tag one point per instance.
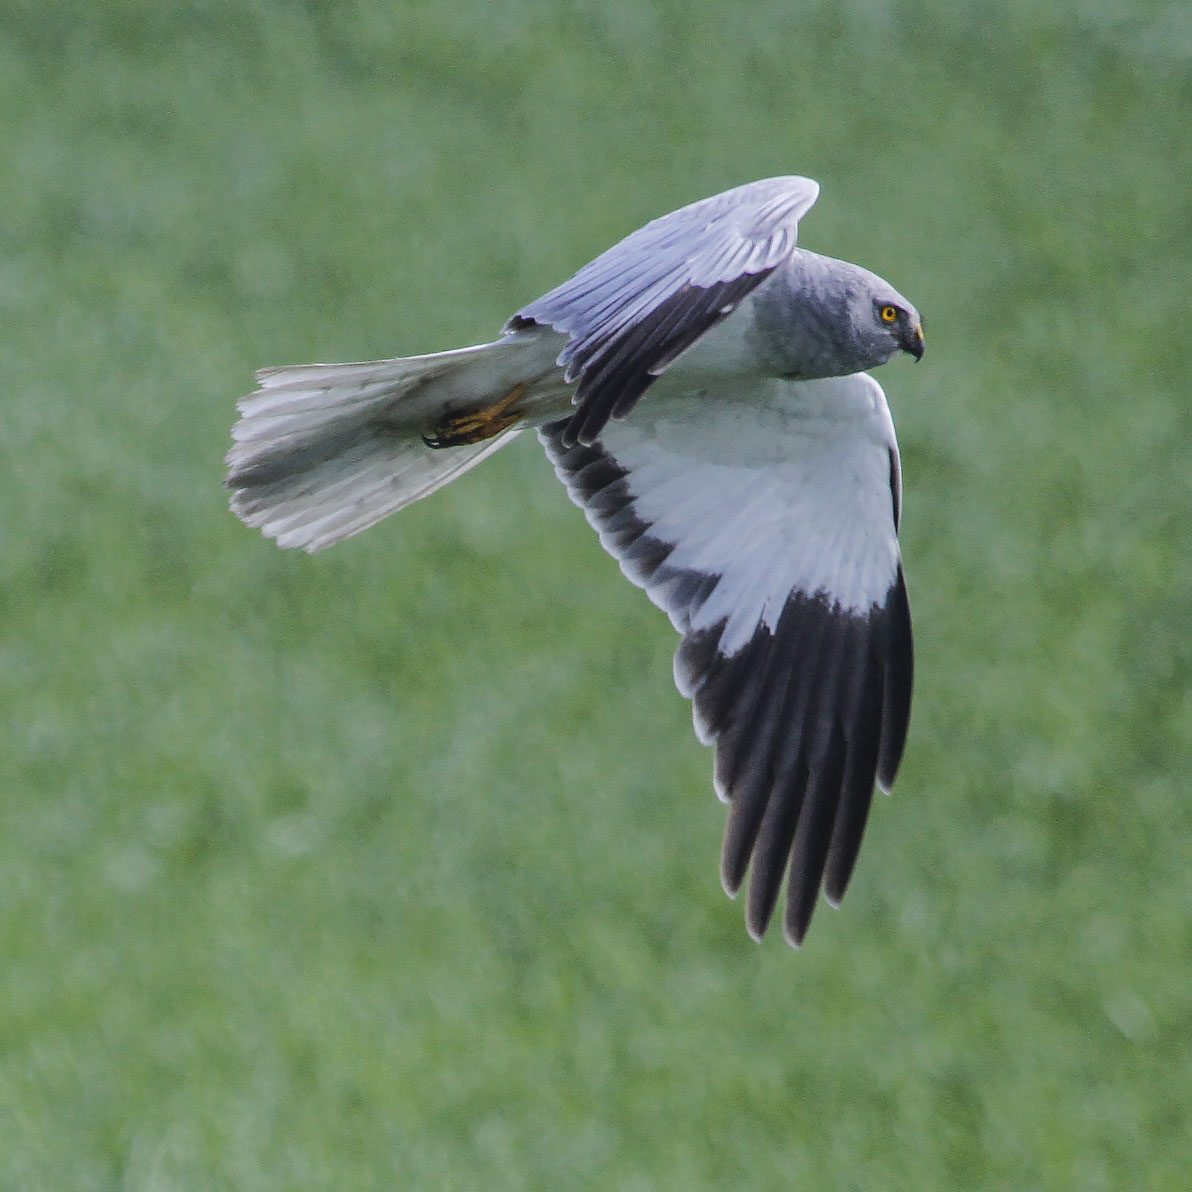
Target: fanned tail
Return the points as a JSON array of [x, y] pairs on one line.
[[323, 451]]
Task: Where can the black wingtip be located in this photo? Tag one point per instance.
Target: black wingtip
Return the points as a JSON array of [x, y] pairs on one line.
[[842, 858], [757, 932], [899, 683], [770, 857], [795, 934], [730, 879], [813, 837]]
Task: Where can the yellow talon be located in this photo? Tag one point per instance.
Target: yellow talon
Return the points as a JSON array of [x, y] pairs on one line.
[[474, 426]]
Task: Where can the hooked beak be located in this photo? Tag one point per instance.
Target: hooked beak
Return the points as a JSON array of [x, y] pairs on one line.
[[913, 342]]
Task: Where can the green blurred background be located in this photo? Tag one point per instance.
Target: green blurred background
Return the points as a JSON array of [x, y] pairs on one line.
[[397, 867]]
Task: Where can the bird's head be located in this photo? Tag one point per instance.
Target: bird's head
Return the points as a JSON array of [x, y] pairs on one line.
[[884, 322], [829, 318]]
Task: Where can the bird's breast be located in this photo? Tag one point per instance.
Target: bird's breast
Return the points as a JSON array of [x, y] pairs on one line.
[[725, 353]]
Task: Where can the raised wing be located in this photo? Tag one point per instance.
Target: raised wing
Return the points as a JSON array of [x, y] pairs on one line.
[[638, 306], [772, 542]]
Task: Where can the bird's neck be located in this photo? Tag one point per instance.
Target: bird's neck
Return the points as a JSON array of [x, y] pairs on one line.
[[801, 318]]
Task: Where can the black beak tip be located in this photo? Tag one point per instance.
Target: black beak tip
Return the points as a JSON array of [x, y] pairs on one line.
[[915, 345]]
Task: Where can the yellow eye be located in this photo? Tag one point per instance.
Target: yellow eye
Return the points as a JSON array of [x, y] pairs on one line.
[[889, 314]]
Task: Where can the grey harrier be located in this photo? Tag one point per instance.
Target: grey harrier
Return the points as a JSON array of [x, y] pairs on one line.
[[700, 390]]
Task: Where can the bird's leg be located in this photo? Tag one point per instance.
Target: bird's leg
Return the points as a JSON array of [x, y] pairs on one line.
[[459, 430]]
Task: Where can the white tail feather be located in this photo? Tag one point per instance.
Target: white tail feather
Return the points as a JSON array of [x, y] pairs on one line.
[[323, 451]]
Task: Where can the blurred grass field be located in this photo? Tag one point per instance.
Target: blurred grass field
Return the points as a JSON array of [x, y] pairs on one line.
[[397, 867]]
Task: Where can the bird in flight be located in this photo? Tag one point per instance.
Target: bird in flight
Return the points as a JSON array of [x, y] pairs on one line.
[[701, 391]]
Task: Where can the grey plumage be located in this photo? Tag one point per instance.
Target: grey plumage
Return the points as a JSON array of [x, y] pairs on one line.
[[323, 451], [814, 318], [631, 312], [700, 388]]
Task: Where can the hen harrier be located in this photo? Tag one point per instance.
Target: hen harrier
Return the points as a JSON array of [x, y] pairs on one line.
[[699, 388]]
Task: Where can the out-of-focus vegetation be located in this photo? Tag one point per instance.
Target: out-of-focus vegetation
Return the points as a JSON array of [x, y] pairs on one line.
[[396, 868]]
